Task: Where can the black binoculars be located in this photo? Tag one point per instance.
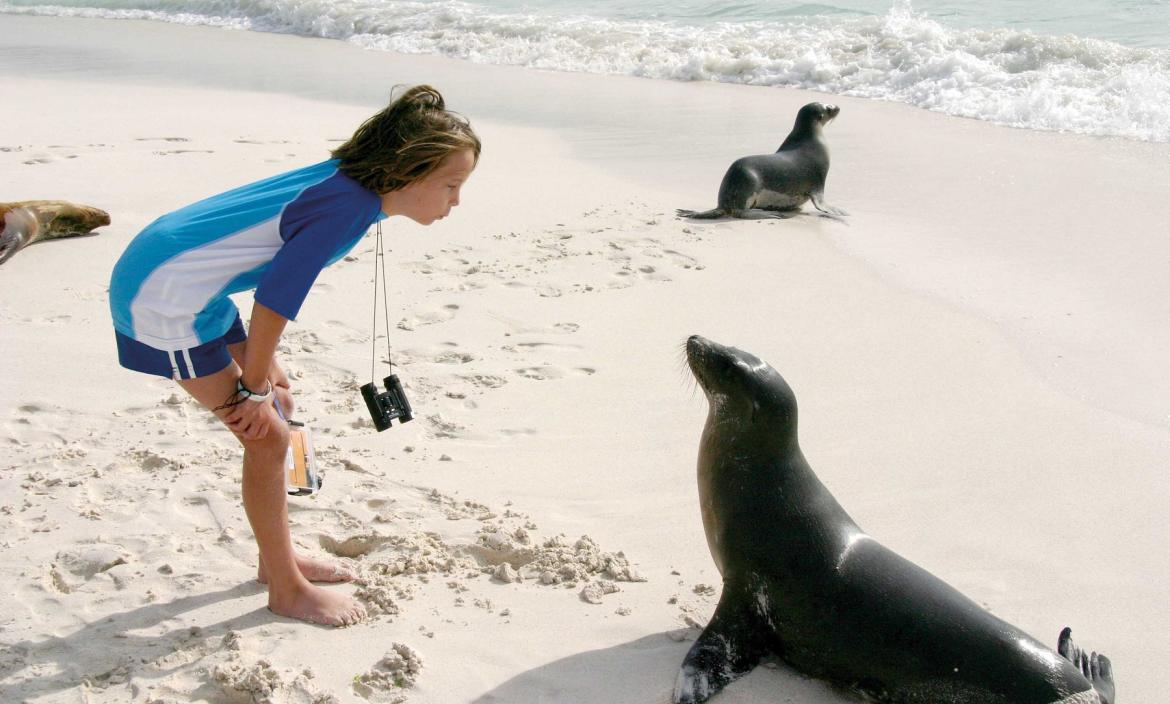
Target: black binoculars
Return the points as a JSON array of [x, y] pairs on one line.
[[387, 405]]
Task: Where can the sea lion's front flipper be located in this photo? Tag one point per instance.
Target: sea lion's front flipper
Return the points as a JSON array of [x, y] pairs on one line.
[[729, 647]]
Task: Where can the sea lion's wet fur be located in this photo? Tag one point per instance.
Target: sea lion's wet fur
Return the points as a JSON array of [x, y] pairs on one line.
[[801, 580], [28, 221], [777, 185]]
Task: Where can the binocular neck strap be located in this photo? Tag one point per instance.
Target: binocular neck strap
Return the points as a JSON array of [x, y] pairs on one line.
[[379, 259]]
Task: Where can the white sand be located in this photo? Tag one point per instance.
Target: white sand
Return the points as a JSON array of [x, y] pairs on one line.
[[978, 354]]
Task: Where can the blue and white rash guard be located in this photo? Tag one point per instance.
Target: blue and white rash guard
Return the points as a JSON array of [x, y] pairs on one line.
[[170, 288]]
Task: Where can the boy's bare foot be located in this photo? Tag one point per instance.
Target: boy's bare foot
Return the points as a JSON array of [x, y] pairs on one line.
[[315, 570], [317, 605]]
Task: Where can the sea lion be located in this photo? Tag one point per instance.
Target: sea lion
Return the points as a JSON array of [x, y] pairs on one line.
[[776, 185], [28, 221], [802, 581]]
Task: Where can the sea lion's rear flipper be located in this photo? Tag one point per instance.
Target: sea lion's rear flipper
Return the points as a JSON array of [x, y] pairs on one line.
[[818, 200], [704, 215], [1096, 668], [729, 647]]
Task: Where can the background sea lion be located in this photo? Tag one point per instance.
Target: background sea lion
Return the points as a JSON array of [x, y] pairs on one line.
[[28, 221], [776, 185], [803, 581]]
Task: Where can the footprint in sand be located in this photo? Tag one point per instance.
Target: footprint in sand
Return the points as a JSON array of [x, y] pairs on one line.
[[453, 356], [348, 333], [171, 152], [441, 427], [245, 140], [682, 260], [519, 327], [306, 341], [644, 271], [76, 566], [541, 373], [486, 381], [150, 461], [64, 146], [532, 346], [430, 317]]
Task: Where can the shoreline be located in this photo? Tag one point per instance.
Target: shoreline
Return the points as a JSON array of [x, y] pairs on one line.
[[539, 330]]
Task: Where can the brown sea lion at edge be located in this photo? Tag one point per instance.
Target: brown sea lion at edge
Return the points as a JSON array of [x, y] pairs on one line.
[[28, 221]]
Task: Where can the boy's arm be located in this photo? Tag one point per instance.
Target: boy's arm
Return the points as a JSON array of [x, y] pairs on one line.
[[264, 333]]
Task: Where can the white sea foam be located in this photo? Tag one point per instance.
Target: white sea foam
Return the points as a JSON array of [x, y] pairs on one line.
[[1006, 76]]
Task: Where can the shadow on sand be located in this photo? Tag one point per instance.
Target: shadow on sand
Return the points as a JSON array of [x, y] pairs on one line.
[[643, 672], [60, 658]]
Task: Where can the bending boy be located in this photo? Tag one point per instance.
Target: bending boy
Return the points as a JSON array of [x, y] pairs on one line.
[[173, 318]]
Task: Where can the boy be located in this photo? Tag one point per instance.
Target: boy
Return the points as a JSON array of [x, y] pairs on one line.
[[173, 318]]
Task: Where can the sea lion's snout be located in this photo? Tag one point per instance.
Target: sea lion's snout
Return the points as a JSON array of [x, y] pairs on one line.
[[10, 243], [830, 113], [16, 226], [702, 355], [696, 344], [715, 365], [699, 351]]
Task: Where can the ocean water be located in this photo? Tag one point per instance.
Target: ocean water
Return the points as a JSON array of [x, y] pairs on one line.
[[1099, 67]]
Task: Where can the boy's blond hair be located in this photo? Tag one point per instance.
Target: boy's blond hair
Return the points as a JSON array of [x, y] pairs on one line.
[[406, 141]]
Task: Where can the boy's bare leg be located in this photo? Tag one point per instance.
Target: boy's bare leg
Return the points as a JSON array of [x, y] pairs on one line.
[[313, 569], [265, 502]]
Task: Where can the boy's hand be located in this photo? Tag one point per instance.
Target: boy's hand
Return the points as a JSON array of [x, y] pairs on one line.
[[282, 388], [277, 376], [251, 420], [284, 397]]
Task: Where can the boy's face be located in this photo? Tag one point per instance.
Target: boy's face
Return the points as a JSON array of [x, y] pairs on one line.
[[432, 197]]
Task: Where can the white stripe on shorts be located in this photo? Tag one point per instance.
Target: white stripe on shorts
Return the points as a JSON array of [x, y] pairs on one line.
[[190, 364]]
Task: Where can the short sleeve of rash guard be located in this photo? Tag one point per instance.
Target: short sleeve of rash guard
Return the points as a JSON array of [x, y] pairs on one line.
[[318, 227]]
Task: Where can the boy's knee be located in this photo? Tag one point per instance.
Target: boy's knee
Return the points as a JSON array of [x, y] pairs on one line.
[[274, 443]]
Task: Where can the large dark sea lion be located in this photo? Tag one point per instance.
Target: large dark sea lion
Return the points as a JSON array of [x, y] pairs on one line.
[[25, 222], [802, 581], [776, 185]]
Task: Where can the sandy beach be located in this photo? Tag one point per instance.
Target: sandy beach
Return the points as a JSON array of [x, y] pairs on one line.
[[978, 352]]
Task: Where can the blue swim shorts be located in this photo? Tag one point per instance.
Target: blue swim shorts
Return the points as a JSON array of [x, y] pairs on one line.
[[208, 358]]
